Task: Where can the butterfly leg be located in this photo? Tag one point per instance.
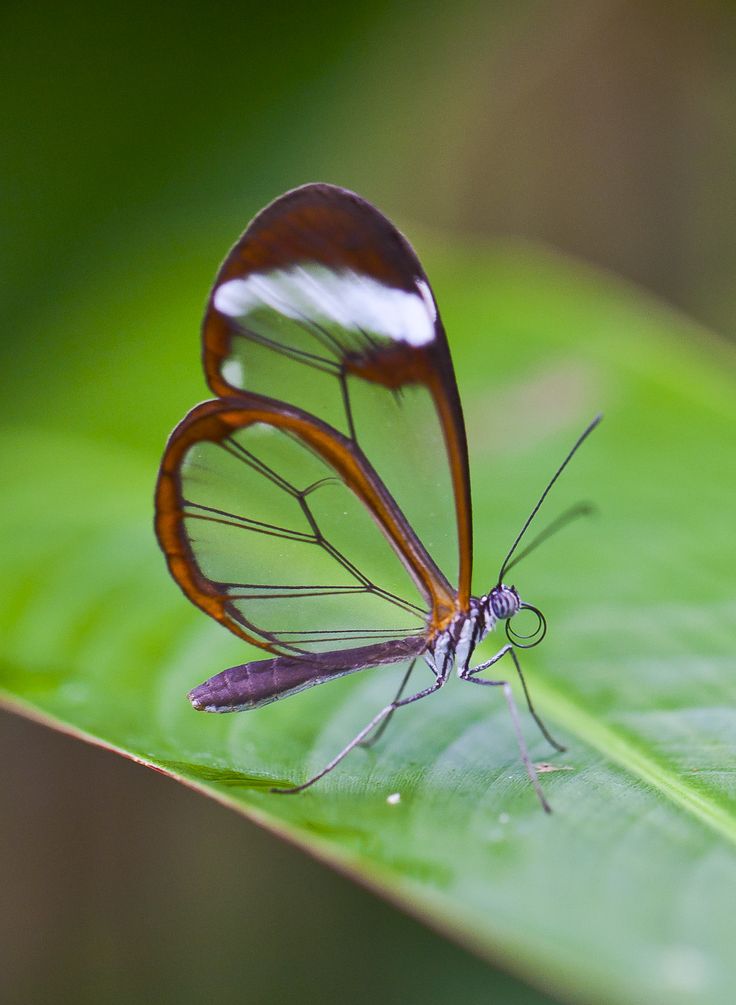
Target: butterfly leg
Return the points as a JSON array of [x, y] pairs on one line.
[[469, 675], [375, 721], [530, 769], [499, 655], [382, 726]]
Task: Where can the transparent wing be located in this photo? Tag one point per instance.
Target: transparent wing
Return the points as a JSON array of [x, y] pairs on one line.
[[277, 526], [324, 306]]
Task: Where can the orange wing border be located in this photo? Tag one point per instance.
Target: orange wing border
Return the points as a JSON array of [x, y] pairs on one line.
[[214, 421]]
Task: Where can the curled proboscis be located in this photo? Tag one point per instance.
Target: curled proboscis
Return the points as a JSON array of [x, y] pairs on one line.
[[534, 637]]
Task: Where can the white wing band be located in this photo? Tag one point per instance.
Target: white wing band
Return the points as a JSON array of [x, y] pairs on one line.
[[353, 301]]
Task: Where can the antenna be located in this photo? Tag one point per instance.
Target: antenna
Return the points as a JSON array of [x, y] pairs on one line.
[[583, 436], [560, 522]]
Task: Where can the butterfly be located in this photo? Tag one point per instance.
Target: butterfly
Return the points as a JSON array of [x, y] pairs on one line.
[[319, 507]]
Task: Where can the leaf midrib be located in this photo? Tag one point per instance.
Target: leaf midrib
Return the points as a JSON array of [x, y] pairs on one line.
[[628, 755]]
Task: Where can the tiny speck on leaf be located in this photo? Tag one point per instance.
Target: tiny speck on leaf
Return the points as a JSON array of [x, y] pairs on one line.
[[544, 767], [394, 798]]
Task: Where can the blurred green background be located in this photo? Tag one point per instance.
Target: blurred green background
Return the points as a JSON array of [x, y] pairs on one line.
[[137, 143]]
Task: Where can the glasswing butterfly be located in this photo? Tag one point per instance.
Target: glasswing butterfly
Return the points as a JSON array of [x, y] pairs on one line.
[[319, 508]]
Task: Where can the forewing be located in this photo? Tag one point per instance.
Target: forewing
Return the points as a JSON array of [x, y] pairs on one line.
[[277, 526], [323, 305]]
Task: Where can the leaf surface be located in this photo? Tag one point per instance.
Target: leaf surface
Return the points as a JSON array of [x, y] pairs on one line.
[[625, 894]]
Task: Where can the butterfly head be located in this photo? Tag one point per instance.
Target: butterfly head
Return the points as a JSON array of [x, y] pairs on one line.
[[504, 603]]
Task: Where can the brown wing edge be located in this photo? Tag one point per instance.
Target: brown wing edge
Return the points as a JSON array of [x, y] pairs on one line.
[[334, 226], [432, 367], [214, 421]]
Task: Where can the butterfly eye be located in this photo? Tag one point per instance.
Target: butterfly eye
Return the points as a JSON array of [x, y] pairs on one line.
[[504, 601]]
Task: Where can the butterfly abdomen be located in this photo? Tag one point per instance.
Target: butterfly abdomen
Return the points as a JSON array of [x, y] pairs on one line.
[[254, 684]]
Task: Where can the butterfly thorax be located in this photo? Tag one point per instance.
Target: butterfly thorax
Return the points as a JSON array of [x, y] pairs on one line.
[[458, 641]]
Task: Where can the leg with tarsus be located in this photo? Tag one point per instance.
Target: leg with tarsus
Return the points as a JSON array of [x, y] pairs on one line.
[[469, 675], [530, 769], [382, 725], [489, 663], [375, 721]]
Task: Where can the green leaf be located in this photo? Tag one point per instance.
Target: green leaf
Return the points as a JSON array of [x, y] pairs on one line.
[[626, 893]]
